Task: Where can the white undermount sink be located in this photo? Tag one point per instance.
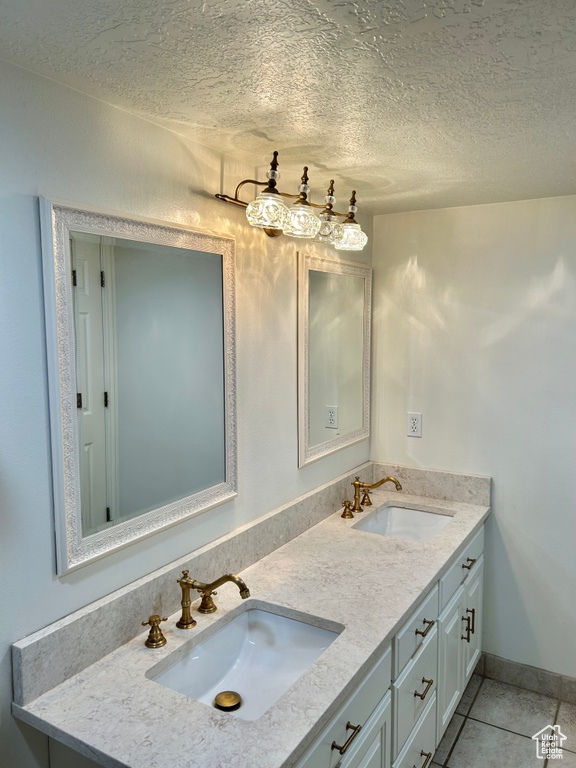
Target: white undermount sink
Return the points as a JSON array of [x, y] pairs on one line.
[[258, 654], [403, 523]]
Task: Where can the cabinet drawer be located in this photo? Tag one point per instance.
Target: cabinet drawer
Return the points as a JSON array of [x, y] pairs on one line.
[[458, 572], [411, 637], [372, 748], [419, 677], [355, 711], [420, 747]]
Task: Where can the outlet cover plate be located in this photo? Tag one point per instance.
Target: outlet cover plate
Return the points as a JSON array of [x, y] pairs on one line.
[[414, 425], [331, 416]]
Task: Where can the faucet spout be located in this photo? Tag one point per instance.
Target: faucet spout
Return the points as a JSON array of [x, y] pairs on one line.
[[208, 605], [244, 591], [358, 484]]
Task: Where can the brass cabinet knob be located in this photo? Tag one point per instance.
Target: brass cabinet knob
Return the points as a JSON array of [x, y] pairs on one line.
[[155, 637]]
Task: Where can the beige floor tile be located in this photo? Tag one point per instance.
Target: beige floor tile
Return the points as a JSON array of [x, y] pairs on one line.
[[483, 746], [567, 721], [568, 760], [512, 708], [448, 739], [468, 697]]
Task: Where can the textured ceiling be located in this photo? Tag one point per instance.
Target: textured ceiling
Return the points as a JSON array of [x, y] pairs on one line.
[[417, 103]]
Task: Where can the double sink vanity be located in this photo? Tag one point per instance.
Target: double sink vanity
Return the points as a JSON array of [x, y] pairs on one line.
[[353, 649]]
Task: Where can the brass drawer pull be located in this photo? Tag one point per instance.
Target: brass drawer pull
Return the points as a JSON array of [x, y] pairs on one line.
[[468, 629], [355, 731], [428, 756], [429, 685], [428, 628], [473, 612], [470, 562]]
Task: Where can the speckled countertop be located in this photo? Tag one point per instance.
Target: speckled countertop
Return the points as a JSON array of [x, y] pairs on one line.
[[369, 583]]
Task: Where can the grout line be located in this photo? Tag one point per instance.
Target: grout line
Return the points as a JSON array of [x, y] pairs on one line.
[[556, 716], [500, 728], [491, 725], [449, 755], [557, 712]]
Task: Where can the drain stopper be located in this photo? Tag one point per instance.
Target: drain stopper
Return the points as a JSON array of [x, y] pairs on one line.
[[228, 701]]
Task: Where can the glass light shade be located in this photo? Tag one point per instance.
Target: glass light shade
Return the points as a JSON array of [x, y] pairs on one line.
[[268, 211], [302, 222], [352, 239], [330, 228]]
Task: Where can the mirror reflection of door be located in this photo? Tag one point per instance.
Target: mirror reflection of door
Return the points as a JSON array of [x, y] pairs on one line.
[[90, 331], [150, 375]]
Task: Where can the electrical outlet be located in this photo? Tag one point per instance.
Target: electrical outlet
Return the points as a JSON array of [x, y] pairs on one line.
[[414, 425], [331, 416]]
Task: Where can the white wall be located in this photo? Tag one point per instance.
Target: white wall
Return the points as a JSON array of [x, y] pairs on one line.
[[475, 326], [58, 143]]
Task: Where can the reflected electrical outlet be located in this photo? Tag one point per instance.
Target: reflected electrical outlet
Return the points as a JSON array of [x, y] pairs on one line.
[[331, 416]]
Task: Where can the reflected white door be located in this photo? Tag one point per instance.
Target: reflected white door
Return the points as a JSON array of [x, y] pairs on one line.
[[90, 381]]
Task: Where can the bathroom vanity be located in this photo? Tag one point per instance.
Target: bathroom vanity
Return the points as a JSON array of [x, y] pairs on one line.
[[404, 619]]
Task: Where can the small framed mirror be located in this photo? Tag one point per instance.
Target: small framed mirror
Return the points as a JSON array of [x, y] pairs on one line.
[[140, 327], [334, 310]]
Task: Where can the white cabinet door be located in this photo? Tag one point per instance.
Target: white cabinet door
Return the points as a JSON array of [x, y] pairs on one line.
[[473, 612], [459, 644], [450, 660]]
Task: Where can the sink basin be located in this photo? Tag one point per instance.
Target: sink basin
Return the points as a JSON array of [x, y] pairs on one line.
[[403, 523], [258, 654]]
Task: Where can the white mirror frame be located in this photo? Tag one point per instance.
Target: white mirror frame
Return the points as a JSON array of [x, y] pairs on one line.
[[57, 221], [307, 454]]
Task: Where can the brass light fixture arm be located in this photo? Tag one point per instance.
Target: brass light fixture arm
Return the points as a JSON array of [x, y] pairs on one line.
[[243, 204]]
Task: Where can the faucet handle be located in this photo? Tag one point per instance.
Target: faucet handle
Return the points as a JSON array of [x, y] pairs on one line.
[[366, 498], [207, 605], [155, 637], [347, 514]]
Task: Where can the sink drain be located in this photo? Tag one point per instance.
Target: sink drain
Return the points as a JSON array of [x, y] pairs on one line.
[[228, 701]]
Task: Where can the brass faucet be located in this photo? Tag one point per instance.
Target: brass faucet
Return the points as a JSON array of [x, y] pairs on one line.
[[358, 484], [206, 590]]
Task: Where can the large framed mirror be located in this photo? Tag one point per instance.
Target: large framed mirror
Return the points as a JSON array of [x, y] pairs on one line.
[[334, 311], [140, 328]]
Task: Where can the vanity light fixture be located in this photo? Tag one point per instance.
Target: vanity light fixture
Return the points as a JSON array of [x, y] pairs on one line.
[[352, 237], [270, 213], [302, 221], [331, 228]]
